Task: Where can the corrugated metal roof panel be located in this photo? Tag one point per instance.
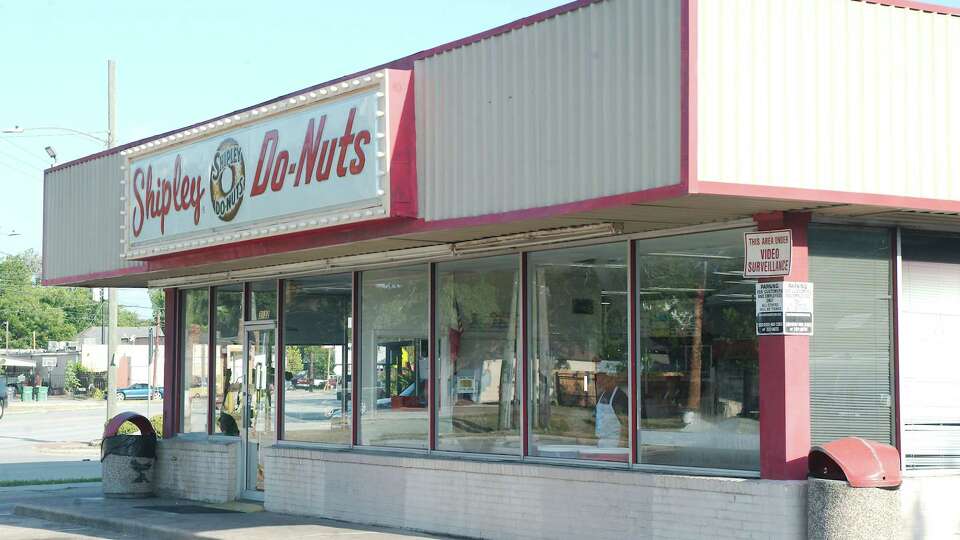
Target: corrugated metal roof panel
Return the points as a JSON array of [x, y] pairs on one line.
[[81, 220], [829, 94], [584, 106]]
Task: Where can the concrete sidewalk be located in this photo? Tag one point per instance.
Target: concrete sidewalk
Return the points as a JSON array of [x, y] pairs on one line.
[[56, 403], [179, 519]]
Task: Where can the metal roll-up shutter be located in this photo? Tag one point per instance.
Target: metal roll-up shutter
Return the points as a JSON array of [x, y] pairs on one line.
[[929, 362], [851, 391]]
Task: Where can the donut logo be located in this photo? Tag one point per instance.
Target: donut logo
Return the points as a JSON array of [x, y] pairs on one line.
[[226, 202]]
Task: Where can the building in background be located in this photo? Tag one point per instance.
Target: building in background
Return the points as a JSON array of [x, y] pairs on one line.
[[50, 363], [532, 254], [133, 364]]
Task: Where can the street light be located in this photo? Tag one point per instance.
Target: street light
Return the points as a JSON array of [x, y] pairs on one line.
[[52, 153]]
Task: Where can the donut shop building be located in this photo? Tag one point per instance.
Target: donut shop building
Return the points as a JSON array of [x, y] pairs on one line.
[[508, 286]]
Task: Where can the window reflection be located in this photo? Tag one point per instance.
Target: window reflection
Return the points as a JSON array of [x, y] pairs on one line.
[[478, 315], [579, 353], [229, 359], [317, 341], [263, 301], [698, 358], [196, 337], [394, 357]]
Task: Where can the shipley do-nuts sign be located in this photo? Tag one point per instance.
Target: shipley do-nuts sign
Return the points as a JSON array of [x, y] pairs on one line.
[[315, 165]]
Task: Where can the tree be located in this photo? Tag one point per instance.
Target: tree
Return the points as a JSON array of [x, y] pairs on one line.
[[126, 317], [53, 313], [158, 303], [49, 313], [293, 357], [75, 376]]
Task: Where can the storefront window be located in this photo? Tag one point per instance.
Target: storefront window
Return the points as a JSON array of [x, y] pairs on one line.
[[697, 352], [478, 316], [228, 358], [579, 353], [317, 341], [195, 338], [394, 369], [263, 301], [929, 372], [851, 366]]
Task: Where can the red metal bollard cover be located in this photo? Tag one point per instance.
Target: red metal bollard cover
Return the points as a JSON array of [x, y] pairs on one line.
[[861, 462], [146, 428]]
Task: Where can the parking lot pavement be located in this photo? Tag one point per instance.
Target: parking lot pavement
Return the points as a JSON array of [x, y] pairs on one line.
[[175, 518], [56, 439], [17, 527]]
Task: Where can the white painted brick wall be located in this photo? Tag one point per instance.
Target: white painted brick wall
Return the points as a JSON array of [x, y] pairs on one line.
[[526, 501], [197, 468], [930, 506]]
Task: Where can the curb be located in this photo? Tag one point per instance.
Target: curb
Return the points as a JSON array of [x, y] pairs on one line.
[[128, 526]]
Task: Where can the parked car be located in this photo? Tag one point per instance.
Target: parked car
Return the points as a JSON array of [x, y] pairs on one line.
[[138, 391], [302, 380], [3, 395]]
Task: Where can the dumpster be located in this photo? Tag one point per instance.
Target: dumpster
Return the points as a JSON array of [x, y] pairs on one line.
[[853, 490], [27, 393], [127, 461], [42, 393]]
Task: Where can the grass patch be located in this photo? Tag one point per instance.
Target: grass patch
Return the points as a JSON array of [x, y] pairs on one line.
[[18, 483]]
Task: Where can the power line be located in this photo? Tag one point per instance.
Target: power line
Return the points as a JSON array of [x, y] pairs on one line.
[[18, 168], [17, 159], [34, 136], [42, 160]]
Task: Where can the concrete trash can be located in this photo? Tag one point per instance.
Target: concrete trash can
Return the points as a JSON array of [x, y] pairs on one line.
[[42, 393], [127, 461], [853, 490], [27, 393]]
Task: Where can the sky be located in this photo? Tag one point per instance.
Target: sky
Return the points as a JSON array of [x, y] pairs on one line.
[[180, 62]]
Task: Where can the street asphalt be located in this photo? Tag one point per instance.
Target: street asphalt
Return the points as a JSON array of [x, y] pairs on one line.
[[52, 440]]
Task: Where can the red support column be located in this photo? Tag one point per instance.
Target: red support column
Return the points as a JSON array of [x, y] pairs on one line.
[[171, 373], [785, 373]]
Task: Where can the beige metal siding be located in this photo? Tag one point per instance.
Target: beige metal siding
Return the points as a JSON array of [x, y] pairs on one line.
[[81, 219], [829, 94], [582, 105]]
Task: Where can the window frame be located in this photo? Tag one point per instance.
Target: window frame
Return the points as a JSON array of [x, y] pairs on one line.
[[181, 360], [523, 357]]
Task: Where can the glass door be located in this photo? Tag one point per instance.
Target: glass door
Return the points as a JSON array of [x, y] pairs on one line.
[[259, 395]]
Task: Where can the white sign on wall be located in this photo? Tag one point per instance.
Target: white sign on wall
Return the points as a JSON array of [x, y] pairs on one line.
[[318, 160], [767, 253], [784, 308]]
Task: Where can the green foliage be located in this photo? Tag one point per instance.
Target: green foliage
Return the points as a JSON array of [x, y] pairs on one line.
[[294, 359], [156, 421], [301, 358], [72, 375], [126, 317], [157, 303], [54, 313], [97, 394]]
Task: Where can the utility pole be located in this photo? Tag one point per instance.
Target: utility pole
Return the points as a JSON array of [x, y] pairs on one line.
[[6, 325], [150, 361], [112, 292]]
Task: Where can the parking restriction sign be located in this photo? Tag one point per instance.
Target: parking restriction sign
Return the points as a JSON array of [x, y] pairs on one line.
[[784, 308]]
